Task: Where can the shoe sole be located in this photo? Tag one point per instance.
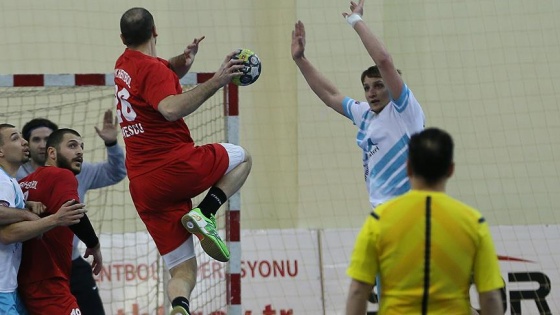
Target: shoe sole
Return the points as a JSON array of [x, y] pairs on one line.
[[207, 242], [178, 311]]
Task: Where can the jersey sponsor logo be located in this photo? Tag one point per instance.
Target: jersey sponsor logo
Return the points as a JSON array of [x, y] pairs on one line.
[[28, 185], [373, 150]]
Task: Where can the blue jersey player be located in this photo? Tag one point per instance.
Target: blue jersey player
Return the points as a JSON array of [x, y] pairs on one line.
[[385, 120]]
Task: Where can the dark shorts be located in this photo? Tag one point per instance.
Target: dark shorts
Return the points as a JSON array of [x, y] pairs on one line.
[[84, 288]]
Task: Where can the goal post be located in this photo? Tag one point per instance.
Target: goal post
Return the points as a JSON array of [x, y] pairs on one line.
[[132, 280]]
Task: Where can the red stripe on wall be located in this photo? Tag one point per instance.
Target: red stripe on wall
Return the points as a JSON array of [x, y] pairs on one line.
[[233, 93], [234, 289], [203, 77], [234, 221], [29, 80], [90, 79]]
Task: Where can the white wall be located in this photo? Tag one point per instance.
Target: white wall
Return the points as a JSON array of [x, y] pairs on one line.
[[487, 71]]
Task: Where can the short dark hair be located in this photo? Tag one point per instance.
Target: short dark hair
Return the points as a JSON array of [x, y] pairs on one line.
[[373, 72], [37, 123], [2, 126], [430, 154], [56, 137], [137, 25]]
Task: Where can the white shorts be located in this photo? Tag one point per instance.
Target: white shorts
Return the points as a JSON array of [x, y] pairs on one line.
[[236, 155], [180, 254]]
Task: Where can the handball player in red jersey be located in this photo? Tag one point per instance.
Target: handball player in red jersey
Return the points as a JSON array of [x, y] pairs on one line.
[[44, 275], [165, 167]]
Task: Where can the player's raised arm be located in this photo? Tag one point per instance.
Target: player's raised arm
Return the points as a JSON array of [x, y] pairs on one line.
[[181, 105], [376, 49], [321, 86], [181, 64], [111, 171]]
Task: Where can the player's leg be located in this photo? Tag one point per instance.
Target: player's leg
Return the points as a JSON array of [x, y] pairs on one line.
[[182, 266], [180, 286], [153, 196], [84, 288], [176, 247], [239, 167], [201, 220]]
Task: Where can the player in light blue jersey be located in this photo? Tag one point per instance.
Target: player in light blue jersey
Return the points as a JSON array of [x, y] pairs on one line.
[[13, 153], [385, 121]]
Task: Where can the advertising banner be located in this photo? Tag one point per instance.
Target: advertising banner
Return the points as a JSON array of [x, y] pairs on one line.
[[288, 272]]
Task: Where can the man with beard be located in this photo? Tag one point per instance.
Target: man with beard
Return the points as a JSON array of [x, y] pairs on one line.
[[92, 176], [44, 277], [16, 223]]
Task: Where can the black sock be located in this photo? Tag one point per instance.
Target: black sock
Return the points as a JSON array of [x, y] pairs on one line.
[[214, 199], [181, 301]]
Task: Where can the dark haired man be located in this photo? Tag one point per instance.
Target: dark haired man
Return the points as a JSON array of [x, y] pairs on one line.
[[16, 223], [425, 245], [385, 120], [165, 167], [36, 132], [44, 277], [92, 176]]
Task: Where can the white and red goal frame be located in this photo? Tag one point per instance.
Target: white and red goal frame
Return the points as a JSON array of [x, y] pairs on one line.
[[231, 114]]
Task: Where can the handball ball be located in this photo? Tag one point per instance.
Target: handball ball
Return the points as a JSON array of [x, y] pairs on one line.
[[251, 70]]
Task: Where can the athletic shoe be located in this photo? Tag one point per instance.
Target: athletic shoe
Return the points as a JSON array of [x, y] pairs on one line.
[[205, 229], [179, 310]]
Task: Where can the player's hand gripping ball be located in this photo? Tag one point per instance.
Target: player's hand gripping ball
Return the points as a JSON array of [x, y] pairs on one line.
[[252, 69]]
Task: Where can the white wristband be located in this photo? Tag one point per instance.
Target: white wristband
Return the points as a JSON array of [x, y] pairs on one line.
[[353, 18]]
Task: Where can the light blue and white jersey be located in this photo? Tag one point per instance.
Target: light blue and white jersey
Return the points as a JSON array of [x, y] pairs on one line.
[[384, 140], [10, 255]]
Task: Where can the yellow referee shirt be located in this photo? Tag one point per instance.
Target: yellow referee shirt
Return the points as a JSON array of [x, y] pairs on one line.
[[426, 247]]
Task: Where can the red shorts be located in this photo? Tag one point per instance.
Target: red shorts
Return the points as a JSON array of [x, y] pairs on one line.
[[163, 196], [50, 296]]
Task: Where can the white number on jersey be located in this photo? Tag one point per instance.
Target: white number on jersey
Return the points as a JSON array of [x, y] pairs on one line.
[[126, 110]]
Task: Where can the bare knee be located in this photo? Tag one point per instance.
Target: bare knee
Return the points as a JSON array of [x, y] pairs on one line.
[[248, 158]]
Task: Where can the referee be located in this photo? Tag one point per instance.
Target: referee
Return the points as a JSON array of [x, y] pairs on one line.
[[425, 245]]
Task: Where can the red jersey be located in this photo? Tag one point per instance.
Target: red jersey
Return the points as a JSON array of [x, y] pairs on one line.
[[50, 255], [142, 81]]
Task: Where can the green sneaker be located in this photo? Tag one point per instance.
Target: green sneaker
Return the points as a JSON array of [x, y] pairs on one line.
[[205, 229], [179, 310]]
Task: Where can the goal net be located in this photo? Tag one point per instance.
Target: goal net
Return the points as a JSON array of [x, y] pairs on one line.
[[133, 277]]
